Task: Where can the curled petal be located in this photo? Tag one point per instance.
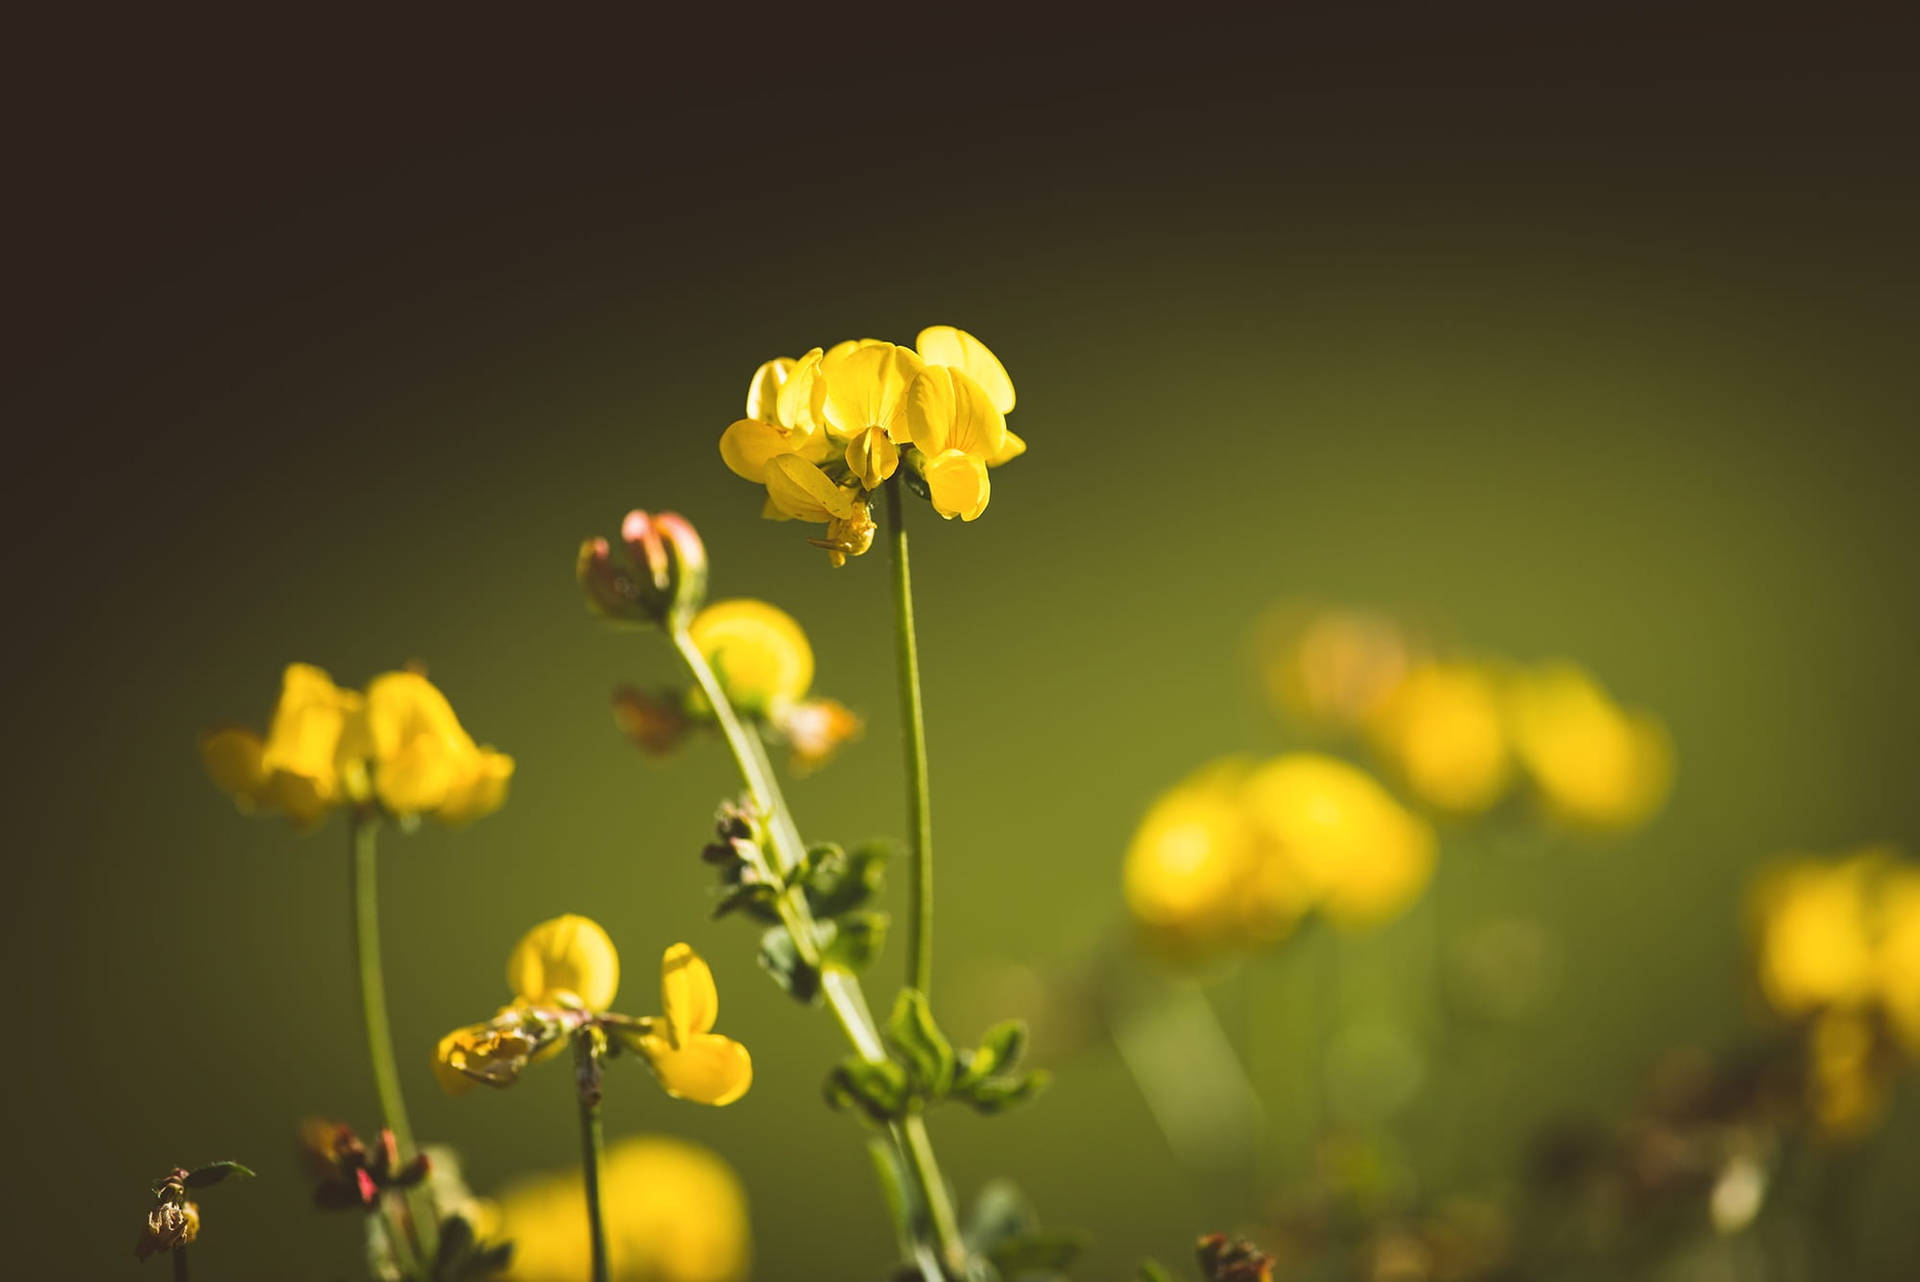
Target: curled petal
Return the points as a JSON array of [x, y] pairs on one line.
[[945, 345], [800, 490], [872, 456], [232, 757], [957, 483], [947, 410], [750, 444], [687, 995], [1011, 449], [763, 392], [707, 1069], [866, 384], [569, 954], [802, 397]]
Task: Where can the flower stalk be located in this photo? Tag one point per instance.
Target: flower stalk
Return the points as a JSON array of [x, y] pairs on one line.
[[913, 731], [364, 827], [841, 990], [592, 1146]]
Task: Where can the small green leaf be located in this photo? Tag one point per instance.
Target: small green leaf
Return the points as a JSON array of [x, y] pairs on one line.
[[997, 1094], [1150, 1271], [878, 1089], [838, 881], [857, 940], [213, 1172], [999, 1213], [924, 1048], [1000, 1049], [779, 958], [1039, 1253], [756, 898]]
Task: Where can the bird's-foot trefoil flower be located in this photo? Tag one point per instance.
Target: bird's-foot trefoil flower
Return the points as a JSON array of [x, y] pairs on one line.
[[825, 432]]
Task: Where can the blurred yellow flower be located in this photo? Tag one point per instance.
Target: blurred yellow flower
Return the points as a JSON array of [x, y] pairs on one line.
[[690, 1060], [759, 652], [675, 1213], [1330, 669], [1444, 729], [824, 432], [1813, 933], [1191, 860], [569, 957], [1238, 852], [1596, 764], [399, 744], [1354, 851], [1899, 955]]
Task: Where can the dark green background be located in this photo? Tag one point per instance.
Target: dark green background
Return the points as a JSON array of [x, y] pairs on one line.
[[1587, 340]]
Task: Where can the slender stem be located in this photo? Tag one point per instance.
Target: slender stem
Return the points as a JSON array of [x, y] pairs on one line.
[[365, 828], [837, 985], [592, 1153], [913, 730], [179, 1264]]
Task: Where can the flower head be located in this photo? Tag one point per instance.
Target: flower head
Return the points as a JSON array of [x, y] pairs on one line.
[[1596, 764], [826, 431], [758, 651], [1445, 728], [564, 974], [399, 745]]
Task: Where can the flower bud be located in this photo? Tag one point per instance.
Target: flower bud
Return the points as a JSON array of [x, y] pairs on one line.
[[170, 1225], [656, 723], [661, 579]]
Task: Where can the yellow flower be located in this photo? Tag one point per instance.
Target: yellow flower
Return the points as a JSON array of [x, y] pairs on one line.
[[691, 1061], [569, 956], [1444, 728], [1898, 963], [1596, 764], [759, 652], [493, 1053], [299, 769], [826, 431], [1355, 851], [1331, 669], [1191, 860], [399, 744], [675, 1212], [1813, 934]]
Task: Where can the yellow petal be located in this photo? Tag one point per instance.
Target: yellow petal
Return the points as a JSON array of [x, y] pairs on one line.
[[873, 457], [480, 791], [569, 954], [306, 727], [688, 998], [748, 445], [763, 393], [759, 651], [947, 410], [233, 760], [452, 1047], [706, 1069], [957, 483], [1012, 448], [802, 491], [866, 384], [945, 345], [801, 397]]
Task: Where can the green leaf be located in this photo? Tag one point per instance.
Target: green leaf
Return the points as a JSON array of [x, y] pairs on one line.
[[1039, 1253], [781, 959], [922, 1046], [857, 940], [879, 1089], [997, 1094], [1000, 1049], [213, 1172], [838, 881], [756, 898], [1150, 1271], [999, 1213]]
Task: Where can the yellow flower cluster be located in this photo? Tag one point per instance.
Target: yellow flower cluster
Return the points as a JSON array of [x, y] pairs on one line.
[[564, 974], [675, 1213], [1459, 733], [1237, 853], [398, 744], [824, 432], [1837, 942]]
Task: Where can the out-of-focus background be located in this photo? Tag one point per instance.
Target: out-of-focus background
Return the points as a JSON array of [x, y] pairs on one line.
[[1575, 339]]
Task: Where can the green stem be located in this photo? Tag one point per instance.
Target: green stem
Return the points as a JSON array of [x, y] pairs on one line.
[[913, 731], [365, 828], [838, 986], [592, 1152], [179, 1264]]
